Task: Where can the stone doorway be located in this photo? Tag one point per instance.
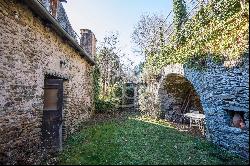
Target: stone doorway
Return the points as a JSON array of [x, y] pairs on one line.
[[52, 114]]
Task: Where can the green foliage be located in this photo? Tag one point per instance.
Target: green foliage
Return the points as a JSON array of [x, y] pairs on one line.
[[116, 91], [219, 30], [107, 75], [96, 78], [141, 141], [102, 106], [180, 15], [109, 102]]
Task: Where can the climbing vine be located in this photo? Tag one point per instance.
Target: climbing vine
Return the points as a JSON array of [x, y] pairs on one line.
[[96, 84], [219, 30], [180, 16]]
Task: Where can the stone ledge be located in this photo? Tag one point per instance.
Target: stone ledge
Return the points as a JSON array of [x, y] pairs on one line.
[[235, 108]]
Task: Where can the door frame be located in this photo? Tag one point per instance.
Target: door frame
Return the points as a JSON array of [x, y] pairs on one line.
[[54, 82]]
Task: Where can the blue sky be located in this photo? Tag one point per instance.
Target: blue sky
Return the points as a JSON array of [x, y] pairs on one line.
[[102, 16]]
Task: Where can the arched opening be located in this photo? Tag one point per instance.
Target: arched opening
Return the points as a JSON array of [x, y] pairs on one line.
[[180, 103]]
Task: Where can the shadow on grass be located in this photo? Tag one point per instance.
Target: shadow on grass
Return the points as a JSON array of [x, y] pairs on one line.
[[142, 142]]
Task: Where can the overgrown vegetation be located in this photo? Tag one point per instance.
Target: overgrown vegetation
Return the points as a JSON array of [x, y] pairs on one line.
[[219, 30], [141, 141], [180, 16], [110, 75]]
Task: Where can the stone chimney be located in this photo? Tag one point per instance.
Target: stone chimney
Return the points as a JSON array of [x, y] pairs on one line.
[[52, 6], [88, 42]]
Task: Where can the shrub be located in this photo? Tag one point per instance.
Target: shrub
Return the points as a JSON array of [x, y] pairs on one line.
[[149, 106]]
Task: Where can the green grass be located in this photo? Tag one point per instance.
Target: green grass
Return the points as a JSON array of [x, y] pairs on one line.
[[141, 142]]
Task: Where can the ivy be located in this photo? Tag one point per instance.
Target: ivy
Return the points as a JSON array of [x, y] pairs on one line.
[[96, 87], [219, 30], [180, 16], [180, 13]]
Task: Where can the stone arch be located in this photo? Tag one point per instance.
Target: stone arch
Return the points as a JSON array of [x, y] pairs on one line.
[[223, 93], [194, 77], [177, 94]]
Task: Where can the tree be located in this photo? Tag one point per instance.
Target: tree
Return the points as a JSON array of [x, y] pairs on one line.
[[110, 74], [150, 33], [108, 60]]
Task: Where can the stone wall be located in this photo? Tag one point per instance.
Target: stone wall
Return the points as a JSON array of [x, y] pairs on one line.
[[28, 51], [222, 90]]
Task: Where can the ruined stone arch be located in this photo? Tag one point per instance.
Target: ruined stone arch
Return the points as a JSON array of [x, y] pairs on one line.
[[177, 94], [223, 92], [194, 77]]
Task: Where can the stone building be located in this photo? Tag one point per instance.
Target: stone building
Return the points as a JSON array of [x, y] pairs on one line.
[[45, 81]]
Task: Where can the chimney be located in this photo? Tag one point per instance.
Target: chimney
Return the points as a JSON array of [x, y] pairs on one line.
[[52, 6], [88, 42]]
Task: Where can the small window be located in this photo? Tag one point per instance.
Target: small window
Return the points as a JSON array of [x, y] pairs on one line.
[[50, 99]]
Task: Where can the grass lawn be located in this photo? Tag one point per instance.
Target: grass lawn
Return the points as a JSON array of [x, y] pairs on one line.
[[141, 141]]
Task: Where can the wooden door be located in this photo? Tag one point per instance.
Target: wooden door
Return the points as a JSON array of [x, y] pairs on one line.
[[52, 114]]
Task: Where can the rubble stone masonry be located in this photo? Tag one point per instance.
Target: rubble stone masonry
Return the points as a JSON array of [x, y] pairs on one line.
[[28, 51], [223, 91]]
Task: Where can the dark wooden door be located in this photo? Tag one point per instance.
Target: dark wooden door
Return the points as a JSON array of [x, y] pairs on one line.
[[52, 114]]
